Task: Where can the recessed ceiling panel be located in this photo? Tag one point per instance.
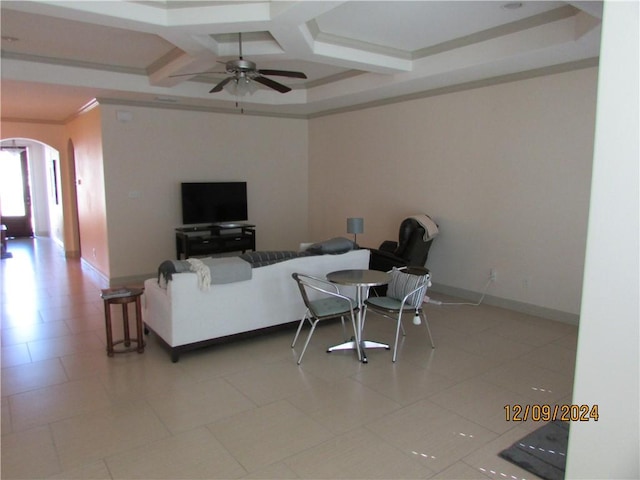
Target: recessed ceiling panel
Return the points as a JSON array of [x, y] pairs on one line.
[[81, 42], [413, 25]]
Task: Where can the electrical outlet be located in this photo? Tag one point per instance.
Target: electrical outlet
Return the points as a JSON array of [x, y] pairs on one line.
[[493, 274]]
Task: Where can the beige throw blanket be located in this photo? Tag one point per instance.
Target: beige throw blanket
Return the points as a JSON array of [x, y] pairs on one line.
[[430, 227]]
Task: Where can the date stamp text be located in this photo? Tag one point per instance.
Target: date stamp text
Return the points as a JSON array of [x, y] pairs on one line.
[[548, 413]]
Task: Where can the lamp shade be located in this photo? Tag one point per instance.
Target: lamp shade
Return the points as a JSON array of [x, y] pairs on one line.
[[355, 225]]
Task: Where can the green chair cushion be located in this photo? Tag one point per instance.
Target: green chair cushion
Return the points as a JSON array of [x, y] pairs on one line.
[[388, 303], [330, 307]]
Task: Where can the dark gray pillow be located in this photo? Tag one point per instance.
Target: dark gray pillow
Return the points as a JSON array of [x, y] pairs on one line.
[[333, 246]]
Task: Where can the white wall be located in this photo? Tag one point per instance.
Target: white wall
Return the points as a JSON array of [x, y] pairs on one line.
[[146, 158], [505, 170], [607, 365], [47, 213], [54, 192], [38, 177]]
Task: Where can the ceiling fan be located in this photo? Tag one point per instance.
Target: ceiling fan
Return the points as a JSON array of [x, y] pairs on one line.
[[242, 72]]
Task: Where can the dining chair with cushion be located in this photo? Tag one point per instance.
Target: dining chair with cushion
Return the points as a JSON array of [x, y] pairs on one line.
[[323, 301], [405, 294]]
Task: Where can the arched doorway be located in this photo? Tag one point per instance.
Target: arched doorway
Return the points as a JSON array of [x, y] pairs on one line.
[[36, 178]]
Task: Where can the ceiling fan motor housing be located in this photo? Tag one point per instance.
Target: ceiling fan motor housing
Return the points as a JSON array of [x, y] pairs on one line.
[[241, 65]]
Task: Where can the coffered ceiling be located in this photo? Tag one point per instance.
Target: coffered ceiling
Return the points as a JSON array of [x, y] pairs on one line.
[[58, 56]]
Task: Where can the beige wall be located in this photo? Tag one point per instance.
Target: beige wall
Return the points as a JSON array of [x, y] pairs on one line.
[[51, 134], [145, 160], [505, 171], [86, 135]]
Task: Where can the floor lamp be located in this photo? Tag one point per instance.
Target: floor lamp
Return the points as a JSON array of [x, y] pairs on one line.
[[355, 226]]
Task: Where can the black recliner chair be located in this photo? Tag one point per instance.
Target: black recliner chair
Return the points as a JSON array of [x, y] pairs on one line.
[[411, 249]]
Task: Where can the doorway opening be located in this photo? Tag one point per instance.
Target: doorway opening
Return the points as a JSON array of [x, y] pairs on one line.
[[15, 193], [30, 191]]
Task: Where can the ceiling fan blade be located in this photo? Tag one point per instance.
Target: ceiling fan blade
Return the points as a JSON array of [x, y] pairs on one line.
[[194, 73], [282, 73], [272, 84], [220, 86]]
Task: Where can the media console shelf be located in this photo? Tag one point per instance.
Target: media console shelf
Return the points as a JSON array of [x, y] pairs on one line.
[[211, 239]]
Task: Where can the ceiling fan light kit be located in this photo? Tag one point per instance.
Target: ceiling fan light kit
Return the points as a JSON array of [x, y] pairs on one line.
[[241, 86]]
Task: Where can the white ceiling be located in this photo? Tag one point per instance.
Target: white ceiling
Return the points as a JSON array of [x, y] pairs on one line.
[[57, 56]]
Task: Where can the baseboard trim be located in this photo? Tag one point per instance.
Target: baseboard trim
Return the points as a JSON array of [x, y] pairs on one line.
[[522, 307], [100, 277]]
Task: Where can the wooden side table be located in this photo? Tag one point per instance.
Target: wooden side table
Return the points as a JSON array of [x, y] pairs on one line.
[[123, 296]]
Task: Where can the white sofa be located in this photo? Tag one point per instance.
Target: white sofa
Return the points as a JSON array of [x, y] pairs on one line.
[[186, 317]]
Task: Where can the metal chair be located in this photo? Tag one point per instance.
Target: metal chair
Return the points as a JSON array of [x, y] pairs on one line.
[[323, 301], [405, 293]]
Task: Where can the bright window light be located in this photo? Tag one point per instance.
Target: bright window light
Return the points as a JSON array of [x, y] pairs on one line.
[[11, 185]]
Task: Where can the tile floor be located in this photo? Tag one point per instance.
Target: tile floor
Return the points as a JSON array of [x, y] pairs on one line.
[[245, 409]]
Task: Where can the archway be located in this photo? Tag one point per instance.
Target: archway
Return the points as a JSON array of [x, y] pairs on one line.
[[52, 184]]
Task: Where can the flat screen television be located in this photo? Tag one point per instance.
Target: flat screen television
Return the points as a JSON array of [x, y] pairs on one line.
[[213, 202]]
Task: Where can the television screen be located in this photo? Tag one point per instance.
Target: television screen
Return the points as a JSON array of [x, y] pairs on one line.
[[214, 202]]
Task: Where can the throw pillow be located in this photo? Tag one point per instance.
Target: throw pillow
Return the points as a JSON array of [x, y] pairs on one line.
[[333, 246], [402, 283]]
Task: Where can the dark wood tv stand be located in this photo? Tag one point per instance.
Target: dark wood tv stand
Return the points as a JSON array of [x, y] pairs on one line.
[[214, 238]]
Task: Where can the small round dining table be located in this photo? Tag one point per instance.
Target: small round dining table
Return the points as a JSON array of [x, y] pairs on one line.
[[362, 280]]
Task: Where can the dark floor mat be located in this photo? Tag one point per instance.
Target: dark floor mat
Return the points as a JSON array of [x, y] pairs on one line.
[[542, 452]]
